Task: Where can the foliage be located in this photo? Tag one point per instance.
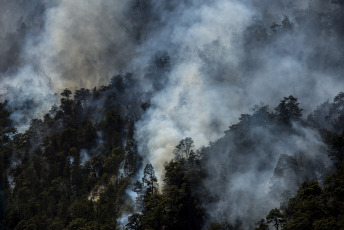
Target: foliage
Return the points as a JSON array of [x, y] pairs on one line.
[[314, 207], [288, 110], [66, 174], [275, 217], [73, 169], [262, 225], [176, 207]]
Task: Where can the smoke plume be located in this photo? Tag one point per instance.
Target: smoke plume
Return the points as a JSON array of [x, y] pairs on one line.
[[203, 62], [228, 56]]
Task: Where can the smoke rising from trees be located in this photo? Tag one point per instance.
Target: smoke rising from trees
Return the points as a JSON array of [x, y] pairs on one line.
[[204, 63]]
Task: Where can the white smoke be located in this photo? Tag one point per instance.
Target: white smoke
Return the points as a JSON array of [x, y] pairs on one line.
[[30, 96], [221, 63], [71, 44], [192, 104], [212, 82], [83, 42], [221, 67], [243, 176]]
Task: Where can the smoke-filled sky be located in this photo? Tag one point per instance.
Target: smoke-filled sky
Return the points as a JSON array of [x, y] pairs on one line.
[[225, 56]]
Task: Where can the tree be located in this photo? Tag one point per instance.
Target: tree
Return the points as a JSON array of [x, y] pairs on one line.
[[337, 112], [261, 115], [66, 102], [336, 146], [149, 180], [183, 148], [6, 131], [288, 110], [138, 188], [82, 95], [182, 206], [134, 222], [305, 208], [66, 93], [334, 195], [118, 83], [275, 217], [131, 159], [261, 225]]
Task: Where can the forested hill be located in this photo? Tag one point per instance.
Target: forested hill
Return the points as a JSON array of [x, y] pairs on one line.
[[72, 167], [159, 114], [78, 168]]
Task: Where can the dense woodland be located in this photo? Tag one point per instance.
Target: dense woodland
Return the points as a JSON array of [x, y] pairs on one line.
[[79, 165], [73, 168]]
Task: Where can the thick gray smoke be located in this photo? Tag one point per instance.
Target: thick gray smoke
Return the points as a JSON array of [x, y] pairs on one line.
[[229, 55], [250, 174], [84, 42], [199, 100], [79, 44], [46, 46], [224, 57]]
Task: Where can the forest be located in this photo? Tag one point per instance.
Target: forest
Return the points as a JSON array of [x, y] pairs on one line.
[[156, 115], [73, 170]]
